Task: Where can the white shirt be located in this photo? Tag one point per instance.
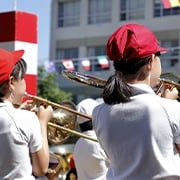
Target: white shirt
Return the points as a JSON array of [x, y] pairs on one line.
[[20, 134], [90, 159], [138, 137]]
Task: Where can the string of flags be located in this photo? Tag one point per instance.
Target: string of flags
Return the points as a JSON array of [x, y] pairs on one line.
[[49, 66], [171, 3], [68, 64], [85, 63]]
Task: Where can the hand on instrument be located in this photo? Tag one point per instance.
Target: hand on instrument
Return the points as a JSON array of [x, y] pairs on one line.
[[45, 113], [169, 92], [28, 105]]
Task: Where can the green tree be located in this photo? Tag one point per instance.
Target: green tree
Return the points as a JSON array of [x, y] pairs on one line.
[[48, 87]]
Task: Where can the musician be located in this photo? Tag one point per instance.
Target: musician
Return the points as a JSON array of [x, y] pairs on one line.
[[137, 128], [90, 159], [23, 134]]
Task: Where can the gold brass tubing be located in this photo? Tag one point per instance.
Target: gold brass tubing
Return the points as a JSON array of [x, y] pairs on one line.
[[166, 81], [39, 99], [71, 131]]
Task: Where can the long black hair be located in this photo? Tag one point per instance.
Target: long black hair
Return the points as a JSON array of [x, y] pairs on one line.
[[116, 89]]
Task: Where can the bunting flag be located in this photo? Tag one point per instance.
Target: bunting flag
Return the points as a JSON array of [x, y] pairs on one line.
[[171, 3], [49, 66], [68, 64], [85, 64], [103, 61]]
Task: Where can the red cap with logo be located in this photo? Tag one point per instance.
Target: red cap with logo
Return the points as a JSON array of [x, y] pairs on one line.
[[7, 61], [132, 41]]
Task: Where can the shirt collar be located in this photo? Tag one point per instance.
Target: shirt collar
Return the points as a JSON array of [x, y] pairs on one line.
[[143, 87], [7, 103]]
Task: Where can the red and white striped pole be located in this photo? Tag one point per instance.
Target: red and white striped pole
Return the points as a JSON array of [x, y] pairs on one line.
[[18, 30]]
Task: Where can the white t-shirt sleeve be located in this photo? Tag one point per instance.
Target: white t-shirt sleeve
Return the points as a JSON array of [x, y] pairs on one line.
[[35, 136], [33, 131]]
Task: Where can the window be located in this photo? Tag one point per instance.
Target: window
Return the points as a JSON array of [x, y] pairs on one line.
[[132, 9], [71, 53], [96, 51], [172, 57], [159, 10], [67, 53], [69, 13], [99, 11]]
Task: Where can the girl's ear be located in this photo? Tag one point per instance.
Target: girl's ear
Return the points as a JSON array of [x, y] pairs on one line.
[[11, 82], [150, 64]]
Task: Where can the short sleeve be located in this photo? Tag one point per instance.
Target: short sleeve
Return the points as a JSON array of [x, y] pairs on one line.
[[31, 129], [36, 140]]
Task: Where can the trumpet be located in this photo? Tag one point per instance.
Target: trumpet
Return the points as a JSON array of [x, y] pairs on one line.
[[63, 122]]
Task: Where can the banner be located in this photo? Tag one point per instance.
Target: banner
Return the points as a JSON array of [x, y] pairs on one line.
[[103, 61], [85, 64], [171, 3], [68, 64], [49, 66]]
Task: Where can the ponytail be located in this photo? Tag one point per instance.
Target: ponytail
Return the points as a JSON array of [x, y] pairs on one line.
[[116, 89]]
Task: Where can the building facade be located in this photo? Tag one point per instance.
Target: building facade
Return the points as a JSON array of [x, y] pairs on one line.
[[80, 29]]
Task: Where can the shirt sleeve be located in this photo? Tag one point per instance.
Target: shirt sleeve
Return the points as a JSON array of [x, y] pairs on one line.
[[34, 132]]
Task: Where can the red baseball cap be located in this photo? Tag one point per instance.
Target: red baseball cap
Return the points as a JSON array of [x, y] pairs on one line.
[[7, 61], [132, 41]]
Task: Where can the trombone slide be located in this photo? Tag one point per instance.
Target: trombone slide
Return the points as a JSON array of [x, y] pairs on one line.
[[71, 131], [56, 105]]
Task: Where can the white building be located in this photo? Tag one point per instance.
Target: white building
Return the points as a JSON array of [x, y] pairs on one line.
[[80, 29]]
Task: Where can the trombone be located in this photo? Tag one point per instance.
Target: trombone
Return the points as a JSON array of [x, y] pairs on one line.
[[57, 126], [71, 131], [93, 81], [56, 105]]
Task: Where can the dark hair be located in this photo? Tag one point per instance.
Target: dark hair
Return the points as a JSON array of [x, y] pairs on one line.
[[116, 89], [68, 104], [19, 71], [71, 105]]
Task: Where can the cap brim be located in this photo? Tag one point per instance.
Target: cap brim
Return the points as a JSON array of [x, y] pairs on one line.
[[162, 50], [17, 55]]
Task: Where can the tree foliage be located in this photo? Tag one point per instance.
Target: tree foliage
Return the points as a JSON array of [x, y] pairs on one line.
[[48, 87]]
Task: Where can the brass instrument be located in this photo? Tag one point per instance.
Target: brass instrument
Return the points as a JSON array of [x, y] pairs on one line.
[[169, 79], [63, 123], [56, 105], [167, 82], [54, 163], [166, 79], [59, 164], [86, 79]]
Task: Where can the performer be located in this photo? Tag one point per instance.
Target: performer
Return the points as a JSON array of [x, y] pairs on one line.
[[24, 148], [90, 159], [137, 128]]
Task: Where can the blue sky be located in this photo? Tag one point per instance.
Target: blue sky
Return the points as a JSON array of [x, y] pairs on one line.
[[42, 9]]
